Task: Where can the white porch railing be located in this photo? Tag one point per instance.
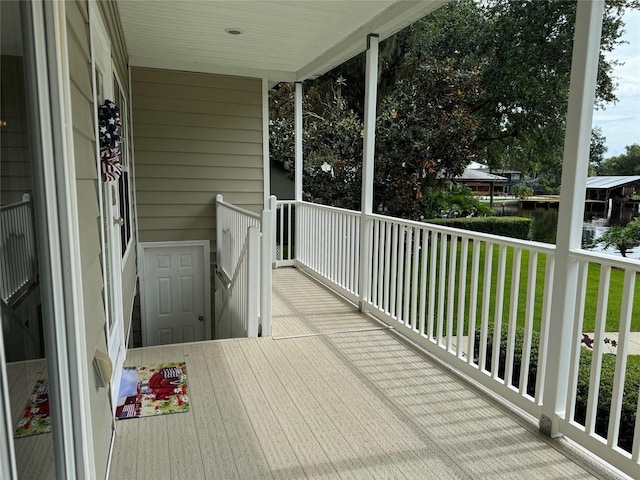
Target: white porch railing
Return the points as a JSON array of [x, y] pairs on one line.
[[284, 228], [18, 260], [240, 304], [597, 429], [480, 303], [243, 277], [232, 224]]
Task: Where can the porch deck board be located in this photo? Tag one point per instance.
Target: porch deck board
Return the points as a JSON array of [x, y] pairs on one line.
[[34, 454], [345, 400]]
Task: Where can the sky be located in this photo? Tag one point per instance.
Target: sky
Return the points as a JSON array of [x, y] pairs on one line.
[[620, 122]]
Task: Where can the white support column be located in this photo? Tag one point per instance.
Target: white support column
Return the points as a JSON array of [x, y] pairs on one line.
[[584, 69], [298, 140], [265, 269], [266, 162], [368, 150], [253, 282]]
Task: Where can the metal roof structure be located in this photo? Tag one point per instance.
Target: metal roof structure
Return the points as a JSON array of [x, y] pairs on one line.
[[607, 182], [478, 175]]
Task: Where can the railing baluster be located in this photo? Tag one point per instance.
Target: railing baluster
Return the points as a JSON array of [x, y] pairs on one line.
[[486, 296], [394, 270], [433, 261], [407, 275], [513, 315], [574, 361], [528, 322], [343, 251], [423, 280], [462, 291], [621, 358], [635, 450], [415, 287], [544, 327], [381, 266], [451, 289], [497, 320], [473, 301], [400, 271], [596, 356], [387, 266], [442, 273], [373, 298]]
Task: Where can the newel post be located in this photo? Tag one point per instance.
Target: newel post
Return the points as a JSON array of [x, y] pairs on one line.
[[266, 265], [253, 282], [584, 70], [218, 234], [273, 208], [368, 151]]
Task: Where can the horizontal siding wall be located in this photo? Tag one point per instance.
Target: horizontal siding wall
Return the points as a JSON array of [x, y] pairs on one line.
[[195, 136]]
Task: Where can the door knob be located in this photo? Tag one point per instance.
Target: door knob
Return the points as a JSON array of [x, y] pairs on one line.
[[201, 318], [118, 221]]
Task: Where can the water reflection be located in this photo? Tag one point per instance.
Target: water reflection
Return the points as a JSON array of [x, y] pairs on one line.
[[596, 223]]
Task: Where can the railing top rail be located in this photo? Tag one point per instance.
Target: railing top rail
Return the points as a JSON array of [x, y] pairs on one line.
[[472, 235], [12, 206], [333, 209], [286, 202], [238, 209], [606, 259], [546, 248]]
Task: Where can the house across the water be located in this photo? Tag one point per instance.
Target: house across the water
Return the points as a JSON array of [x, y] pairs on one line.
[[617, 187]]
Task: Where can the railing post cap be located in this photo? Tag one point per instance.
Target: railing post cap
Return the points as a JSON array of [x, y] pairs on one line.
[[219, 197]]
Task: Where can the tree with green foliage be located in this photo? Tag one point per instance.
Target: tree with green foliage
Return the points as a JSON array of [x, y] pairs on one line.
[[414, 156], [414, 151], [511, 61], [596, 151], [626, 164], [522, 50]]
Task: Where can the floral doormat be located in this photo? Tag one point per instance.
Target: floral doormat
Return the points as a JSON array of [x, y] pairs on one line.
[[35, 419], [154, 390]]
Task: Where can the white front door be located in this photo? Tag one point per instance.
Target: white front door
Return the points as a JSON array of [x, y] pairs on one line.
[[175, 292], [110, 213]]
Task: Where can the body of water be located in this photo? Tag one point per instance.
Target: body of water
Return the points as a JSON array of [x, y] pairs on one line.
[[596, 223]]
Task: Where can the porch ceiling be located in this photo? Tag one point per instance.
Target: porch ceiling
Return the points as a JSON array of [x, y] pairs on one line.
[[281, 40]]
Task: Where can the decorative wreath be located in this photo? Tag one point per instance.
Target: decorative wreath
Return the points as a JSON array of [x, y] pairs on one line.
[[110, 140]]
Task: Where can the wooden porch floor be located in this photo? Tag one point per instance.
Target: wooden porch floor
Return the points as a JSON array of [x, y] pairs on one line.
[[330, 395], [34, 454]]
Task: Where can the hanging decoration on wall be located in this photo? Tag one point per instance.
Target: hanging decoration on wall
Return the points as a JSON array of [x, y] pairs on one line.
[[110, 140]]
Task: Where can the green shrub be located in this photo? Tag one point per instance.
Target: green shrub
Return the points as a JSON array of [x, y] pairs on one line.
[[514, 227], [631, 384], [629, 399], [517, 360]]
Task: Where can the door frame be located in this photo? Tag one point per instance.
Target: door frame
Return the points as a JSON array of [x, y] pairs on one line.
[[109, 229], [47, 68], [205, 244]]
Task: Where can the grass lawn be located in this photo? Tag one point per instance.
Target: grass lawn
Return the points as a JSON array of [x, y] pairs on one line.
[[591, 297]]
